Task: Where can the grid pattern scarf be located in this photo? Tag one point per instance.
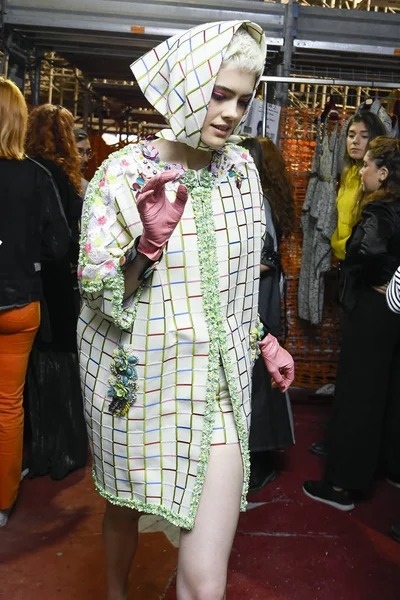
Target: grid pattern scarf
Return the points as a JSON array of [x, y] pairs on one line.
[[178, 76]]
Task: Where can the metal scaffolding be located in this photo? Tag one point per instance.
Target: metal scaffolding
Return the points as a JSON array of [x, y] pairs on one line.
[[78, 53]]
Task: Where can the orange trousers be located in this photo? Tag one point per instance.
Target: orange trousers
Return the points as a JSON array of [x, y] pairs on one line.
[[18, 328]]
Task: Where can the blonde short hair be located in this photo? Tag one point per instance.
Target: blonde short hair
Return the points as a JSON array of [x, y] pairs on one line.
[[244, 53], [13, 120]]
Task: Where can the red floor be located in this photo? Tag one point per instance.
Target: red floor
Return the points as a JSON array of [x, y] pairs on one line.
[[287, 547]]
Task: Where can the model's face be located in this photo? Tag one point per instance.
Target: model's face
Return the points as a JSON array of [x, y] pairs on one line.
[[231, 94], [85, 153], [372, 176], [357, 140]]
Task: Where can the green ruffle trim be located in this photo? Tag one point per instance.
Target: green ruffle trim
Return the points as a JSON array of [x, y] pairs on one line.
[[153, 509], [201, 192], [256, 335], [116, 283]]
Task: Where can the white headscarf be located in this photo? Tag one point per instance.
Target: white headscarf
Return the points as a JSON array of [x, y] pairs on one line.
[[178, 76]]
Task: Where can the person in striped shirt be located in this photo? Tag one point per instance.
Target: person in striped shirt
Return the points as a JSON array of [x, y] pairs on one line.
[[393, 300], [393, 292]]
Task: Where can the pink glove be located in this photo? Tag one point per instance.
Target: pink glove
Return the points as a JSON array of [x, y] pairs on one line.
[[159, 216], [278, 361]]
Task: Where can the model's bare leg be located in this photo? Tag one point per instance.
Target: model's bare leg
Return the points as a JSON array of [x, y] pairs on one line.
[[120, 536], [204, 552]]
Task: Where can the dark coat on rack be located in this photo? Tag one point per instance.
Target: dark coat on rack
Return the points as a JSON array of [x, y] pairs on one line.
[[318, 221]]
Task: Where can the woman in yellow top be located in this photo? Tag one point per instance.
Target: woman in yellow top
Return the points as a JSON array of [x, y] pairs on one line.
[[362, 128]]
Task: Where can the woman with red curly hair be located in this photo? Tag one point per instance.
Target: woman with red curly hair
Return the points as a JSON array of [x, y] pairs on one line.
[[58, 436], [52, 142]]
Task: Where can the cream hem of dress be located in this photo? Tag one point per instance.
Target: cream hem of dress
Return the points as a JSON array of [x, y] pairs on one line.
[[146, 508]]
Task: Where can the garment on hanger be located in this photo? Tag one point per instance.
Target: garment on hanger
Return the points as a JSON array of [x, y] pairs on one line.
[[394, 109], [330, 112], [375, 107], [318, 223], [395, 126], [341, 145]]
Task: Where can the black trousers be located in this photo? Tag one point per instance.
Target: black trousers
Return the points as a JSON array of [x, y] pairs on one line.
[[365, 426], [271, 413]]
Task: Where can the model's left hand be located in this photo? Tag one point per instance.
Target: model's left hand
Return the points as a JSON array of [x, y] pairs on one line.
[[278, 361]]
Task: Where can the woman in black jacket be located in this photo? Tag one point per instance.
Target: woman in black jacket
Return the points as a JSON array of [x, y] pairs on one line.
[[32, 226], [365, 427], [58, 441]]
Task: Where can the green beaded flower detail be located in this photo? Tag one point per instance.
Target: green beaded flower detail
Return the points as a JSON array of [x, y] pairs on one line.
[[256, 335], [205, 180], [123, 383]]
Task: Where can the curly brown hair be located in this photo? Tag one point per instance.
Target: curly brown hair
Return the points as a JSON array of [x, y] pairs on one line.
[[50, 135], [385, 152], [276, 181]]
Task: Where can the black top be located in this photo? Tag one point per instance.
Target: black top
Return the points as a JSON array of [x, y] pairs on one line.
[[60, 300], [372, 251], [32, 227], [71, 201], [269, 296]]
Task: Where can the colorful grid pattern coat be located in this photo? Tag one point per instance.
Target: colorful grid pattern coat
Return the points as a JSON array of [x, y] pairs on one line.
[[197, 309]]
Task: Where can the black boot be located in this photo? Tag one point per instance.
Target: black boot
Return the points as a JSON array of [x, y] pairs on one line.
[[396, 532], [262, 471], [319, 448]]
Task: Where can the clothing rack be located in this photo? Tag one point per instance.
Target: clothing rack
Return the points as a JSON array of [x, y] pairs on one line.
[[315, 348], [270, 79], [300, 38]]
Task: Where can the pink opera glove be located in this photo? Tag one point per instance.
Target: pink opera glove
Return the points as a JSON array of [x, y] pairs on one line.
[[159, 216], [278, 361]]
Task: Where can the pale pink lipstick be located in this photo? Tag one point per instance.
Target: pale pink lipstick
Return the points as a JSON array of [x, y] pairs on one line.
[[221, 130]]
